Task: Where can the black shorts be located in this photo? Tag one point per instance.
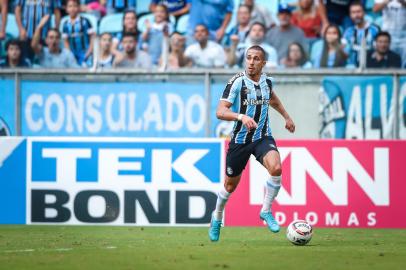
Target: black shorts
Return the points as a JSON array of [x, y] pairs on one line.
[[238, 154]]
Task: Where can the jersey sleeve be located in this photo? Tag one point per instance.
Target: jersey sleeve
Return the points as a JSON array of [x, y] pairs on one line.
[[232, 89], [270, 82]]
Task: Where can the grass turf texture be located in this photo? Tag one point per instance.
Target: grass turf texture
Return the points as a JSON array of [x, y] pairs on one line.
[[91, 247]]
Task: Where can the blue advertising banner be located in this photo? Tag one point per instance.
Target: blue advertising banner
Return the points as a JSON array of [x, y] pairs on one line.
[[402, 108], [113, 109], [120, 181], [219, 128], [357, 107], [7, 108]]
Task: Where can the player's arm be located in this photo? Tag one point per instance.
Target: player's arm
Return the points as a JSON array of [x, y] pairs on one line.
[[225, 113], [36, 39], [277, 105], [4, 11]]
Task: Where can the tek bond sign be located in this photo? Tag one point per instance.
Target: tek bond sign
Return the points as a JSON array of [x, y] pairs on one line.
[[161, 182], [115, 182]]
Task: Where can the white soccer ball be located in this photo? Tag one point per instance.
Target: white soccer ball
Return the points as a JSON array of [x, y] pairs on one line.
[[299, 232]]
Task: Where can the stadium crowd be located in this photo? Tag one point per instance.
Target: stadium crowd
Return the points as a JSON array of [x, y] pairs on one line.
[[174, 34]]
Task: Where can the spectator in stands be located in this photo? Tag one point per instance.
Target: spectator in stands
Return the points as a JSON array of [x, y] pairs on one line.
[[106, 57], [296, 57], [308, 19], [332, 54], [51, 56], [78, 34], [215, 14], [153, 37], [116, 6], [95, 7], [337, 11], [382, 56], [28, 15], [240, 31], [256, 36], [3, 15], [176, 55], [260, 14], [281, 36], [176, 8], [131, 57], [14, 57], [129, 26], [394, 22], [361, 30], [205, 53]]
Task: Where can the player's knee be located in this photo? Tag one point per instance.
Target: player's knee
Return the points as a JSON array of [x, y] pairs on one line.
[[276, 170], [230, 187]]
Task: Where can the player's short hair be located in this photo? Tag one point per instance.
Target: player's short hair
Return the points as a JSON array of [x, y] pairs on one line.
[[260, 24], [259, 48], [105, 33], [56, 30], [131, 35], [75, 1], [383, 34], [356, 3], [13, 42], [203, 25]]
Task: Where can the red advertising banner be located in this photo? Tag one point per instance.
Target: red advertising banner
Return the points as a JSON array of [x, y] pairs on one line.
[[330, 183]]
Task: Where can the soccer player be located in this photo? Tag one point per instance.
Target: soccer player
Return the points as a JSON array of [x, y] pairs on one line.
[[246, 100]]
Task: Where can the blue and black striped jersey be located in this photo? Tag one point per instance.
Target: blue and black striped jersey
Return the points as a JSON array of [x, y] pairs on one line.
[[252, 99], [78, 33], [32, 12]]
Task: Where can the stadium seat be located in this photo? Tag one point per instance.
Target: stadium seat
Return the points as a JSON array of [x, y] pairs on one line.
[[316, 47], [111, 23], [142, 6], [11, 27], [272, 6], [369, 4], [369, 18], [378, 21], [182, 25], [150, 17]]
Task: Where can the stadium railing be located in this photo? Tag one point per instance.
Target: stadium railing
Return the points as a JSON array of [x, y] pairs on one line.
[[299, 88]]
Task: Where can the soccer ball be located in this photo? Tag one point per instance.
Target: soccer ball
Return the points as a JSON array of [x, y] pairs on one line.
[[299, 232]]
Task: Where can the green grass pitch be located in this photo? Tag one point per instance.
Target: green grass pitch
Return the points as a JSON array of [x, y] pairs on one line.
[[97, 247]]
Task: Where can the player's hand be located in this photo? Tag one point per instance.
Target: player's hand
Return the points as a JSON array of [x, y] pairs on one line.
[[248, 122], [23, 34], [234, 39], [290, 125], [44, 20], [220, 34]]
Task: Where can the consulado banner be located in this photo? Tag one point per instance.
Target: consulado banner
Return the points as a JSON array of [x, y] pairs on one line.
[[159, 109], [7, 108], [362, 107], [174, 182]]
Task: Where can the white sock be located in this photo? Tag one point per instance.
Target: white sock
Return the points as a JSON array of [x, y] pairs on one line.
[[222, 197], [271, 191]]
